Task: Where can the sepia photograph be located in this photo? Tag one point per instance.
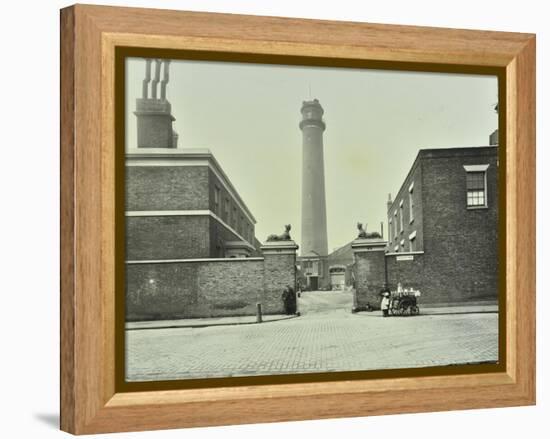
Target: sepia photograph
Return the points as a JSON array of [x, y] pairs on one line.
[[287, 219]]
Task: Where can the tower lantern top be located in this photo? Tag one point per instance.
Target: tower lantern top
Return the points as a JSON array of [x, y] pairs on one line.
[[312, 106], [312, 114]]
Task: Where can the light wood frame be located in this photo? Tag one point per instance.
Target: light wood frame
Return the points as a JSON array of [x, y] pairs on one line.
[[89, 35]]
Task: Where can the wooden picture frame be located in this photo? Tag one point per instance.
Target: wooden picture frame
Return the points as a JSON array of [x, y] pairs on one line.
[[90, 36]]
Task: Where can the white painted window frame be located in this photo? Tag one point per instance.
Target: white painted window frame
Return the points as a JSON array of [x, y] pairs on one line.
[[478, 168]]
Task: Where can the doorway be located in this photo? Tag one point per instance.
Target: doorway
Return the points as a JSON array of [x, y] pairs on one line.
[[313, 283]]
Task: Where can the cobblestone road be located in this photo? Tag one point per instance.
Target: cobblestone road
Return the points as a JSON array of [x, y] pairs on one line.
[[327, 337]]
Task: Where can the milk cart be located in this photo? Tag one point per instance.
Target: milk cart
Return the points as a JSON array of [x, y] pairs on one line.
[[404, 303]]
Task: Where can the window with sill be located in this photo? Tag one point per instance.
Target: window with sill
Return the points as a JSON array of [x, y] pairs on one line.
[[476, 186]]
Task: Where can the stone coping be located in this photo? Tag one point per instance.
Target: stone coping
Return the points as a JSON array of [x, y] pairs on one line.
[[368, 242], [279, 245]]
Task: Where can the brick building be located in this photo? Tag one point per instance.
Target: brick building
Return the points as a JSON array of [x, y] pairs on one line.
[[340, 267], [443, 226], [332, 272], [442, 229], [180, 204], [191, 249]]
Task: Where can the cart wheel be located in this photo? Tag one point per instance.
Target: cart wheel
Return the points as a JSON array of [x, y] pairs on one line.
[[415, 310]]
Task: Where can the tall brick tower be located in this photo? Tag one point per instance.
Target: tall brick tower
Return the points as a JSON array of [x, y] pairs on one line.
[[314, 211]]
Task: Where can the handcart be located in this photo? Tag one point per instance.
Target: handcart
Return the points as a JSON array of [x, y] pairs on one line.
[[404, 303]]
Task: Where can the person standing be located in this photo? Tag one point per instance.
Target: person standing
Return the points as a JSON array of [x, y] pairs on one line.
[[289, 300], [385, 304]]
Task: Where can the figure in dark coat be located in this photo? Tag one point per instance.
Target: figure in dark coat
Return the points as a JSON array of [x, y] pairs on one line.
[[289, 300]]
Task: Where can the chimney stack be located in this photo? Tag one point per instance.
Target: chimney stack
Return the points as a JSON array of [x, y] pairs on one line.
[[154, 114], [493, 138]]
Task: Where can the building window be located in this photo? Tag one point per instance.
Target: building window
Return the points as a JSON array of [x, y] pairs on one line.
[[313, 268], [476, 185], [217, 200], [390, 229], [226, 210], [401, 216], [412, 242], [411, 204], [234, 219], [395, 224]]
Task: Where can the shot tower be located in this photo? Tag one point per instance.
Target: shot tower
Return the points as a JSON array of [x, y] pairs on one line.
[[314, 211]]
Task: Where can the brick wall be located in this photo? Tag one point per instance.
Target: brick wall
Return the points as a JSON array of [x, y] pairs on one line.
[[154, 291], [193, 289], [279, 271], [470, 281], [219, 234], [410, 274], [176, 237], [215, 288], [167, 188], [234, 215], [230, 287], [154, 123], [461, 244], [369, 278], [167, 237], [343, 256], [460, 260], [414, 178]]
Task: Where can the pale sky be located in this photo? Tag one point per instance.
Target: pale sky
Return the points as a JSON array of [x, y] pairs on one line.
[[248, 115]]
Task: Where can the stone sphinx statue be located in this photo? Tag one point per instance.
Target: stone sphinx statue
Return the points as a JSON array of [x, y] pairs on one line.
[[364, 235], [284, 237]]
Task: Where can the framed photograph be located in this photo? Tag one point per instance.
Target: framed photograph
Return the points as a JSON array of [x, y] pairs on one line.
[[268, 219]]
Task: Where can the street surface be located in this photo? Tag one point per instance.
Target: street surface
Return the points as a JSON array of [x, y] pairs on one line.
[[327, 337]]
